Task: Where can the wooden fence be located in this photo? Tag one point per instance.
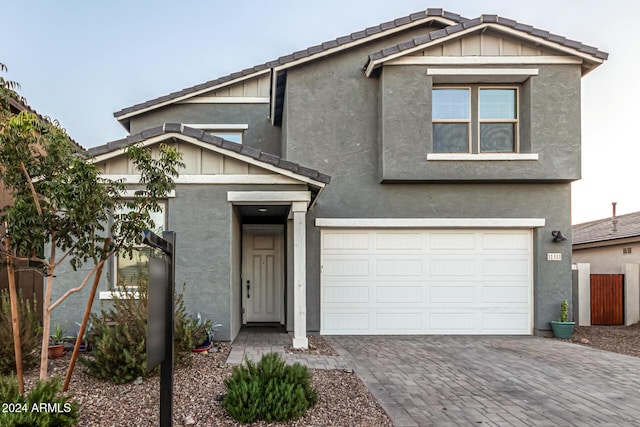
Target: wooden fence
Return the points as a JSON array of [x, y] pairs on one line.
[[28, 281], [607, 299]]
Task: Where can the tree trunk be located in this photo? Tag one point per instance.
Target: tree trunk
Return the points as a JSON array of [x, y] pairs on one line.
[[83, 325], [46, 326], [15, 320]]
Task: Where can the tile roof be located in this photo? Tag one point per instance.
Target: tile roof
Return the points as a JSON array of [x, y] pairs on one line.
[[485, 19], [461, 24], [602, 230], [179, 128], [385, 26]]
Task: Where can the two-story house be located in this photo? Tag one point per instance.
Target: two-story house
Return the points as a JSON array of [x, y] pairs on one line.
[[403, 179]]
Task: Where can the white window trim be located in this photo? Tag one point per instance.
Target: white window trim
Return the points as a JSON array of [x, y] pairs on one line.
[[431, 222], [481, 156], [474, 126], [121, 294], [217, 126], [516, 121], [469, 112], [482, 72]]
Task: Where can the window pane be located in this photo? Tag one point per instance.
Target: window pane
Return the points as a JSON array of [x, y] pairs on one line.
[[450, 138], [131, 270], [450, 104], [497, 137], [497, 104]]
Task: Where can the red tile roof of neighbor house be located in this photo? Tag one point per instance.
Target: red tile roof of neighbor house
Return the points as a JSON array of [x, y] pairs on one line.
[[452, 23], [603, 230]]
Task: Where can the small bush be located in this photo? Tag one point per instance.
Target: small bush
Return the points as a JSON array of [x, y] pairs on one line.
[[30, 334], [118, 336], [269, 390], [43, 406]]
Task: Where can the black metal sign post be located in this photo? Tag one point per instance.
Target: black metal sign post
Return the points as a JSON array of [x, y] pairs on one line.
[[160, 318]]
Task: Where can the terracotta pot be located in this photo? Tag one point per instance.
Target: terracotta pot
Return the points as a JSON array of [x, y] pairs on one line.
[[56, 351]]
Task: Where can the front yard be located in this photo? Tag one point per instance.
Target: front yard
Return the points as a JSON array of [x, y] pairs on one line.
[[342, 397]]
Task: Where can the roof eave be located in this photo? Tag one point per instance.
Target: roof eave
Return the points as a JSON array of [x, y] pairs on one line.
[[591, 59], [275, 66]]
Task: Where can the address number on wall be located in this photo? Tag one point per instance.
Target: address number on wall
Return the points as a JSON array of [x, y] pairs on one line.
[[554, 257]]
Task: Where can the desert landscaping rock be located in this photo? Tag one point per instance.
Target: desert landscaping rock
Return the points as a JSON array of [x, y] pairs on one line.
[[618, 339], [342, 398]]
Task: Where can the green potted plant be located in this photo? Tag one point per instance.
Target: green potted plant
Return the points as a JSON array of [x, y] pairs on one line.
[[56, 342], [563, 328], [203, 334]]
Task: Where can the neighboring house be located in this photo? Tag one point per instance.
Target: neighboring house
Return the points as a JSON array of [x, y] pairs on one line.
[[29, 280], [608, 244], [403, 179]]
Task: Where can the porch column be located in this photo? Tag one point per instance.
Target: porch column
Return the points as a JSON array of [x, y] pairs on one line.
[[299, 210]]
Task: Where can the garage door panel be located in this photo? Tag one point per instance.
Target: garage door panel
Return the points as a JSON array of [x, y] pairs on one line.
[[427, 282], [406, 242], [500, 323], [456, 241], [511, 293], [346, 295], [386, 267], [452, 293], [399, 294], [344, 242], [510, 241], [452, 267], [452, 322], [505, 267], [345, 322], [399, 321], [344, 267]]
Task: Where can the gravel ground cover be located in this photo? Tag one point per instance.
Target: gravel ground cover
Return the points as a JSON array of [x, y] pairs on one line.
[[343, 400], [317, 346], [618, 339]]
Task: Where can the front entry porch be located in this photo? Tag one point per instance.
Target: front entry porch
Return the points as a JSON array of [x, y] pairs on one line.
[[271, 282]]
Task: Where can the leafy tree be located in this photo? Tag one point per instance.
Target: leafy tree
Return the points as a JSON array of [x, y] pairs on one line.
[[61, 204]]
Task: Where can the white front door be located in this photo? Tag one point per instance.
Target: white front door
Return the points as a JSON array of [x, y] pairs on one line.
[[263, 273]]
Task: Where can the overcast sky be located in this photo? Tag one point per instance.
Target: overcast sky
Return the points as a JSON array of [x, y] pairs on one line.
[[79, 61]]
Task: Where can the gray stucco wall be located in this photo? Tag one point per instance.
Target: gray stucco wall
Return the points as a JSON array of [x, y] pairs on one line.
[[334, 105], [208, 249], [549, 125], [260, 135]]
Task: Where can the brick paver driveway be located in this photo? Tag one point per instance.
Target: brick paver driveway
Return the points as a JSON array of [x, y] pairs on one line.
[[467, 380]]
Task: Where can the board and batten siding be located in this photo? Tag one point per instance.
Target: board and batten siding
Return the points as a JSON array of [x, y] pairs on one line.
[[485, 44], [256, 87], [198, 161]]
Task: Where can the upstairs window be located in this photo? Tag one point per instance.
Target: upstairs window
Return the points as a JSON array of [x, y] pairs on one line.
[[451, 120], [475, 119]]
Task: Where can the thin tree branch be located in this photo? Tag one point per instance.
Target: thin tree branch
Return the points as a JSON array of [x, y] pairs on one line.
[[34, 194]]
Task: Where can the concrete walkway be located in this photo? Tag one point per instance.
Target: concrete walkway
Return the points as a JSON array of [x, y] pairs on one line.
[[252, 342], [465, 380]]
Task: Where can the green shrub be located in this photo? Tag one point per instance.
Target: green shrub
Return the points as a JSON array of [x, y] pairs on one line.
[[30, 334], [118, 336], [269, 390], [43, 406]]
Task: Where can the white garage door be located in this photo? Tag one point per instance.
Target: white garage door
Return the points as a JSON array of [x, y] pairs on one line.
[[381, 281]]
